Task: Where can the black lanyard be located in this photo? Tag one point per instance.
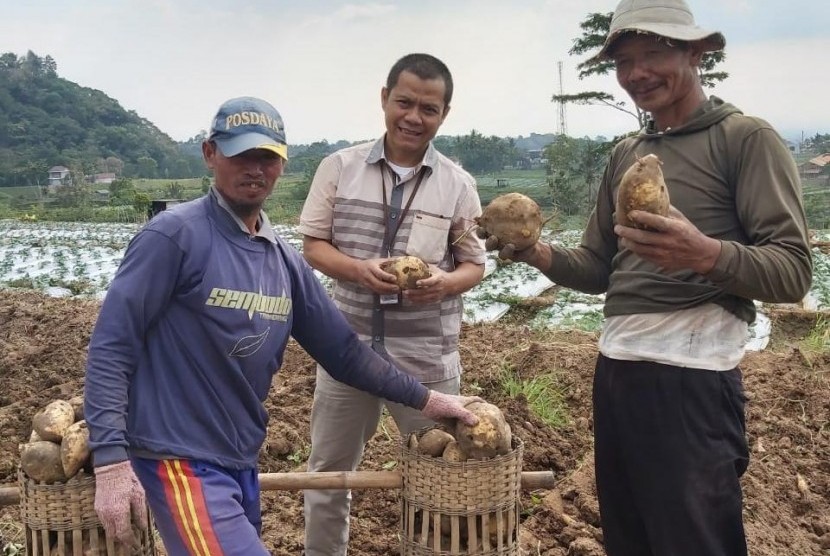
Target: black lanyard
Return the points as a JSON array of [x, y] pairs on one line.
[[389, 234]]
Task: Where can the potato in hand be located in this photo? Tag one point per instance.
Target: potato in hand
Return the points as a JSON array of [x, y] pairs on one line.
[[489, 438], [510, 222], [407, 270], [642, 188]]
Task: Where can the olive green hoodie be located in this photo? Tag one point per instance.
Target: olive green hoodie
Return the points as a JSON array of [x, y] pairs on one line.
[[732, 176]]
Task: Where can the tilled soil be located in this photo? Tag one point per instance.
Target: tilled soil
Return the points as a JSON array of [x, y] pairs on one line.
[[787, 507]]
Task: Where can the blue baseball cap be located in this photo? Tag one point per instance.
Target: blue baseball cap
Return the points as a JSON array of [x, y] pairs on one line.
[[246, 123]]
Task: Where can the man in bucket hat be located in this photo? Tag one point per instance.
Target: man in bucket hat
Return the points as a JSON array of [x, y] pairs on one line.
[[191, 332], [668, 398]]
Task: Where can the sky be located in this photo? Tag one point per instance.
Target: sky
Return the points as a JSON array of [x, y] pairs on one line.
[[323, 63]]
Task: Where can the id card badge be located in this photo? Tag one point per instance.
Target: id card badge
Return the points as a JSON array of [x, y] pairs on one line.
[[389, 298]]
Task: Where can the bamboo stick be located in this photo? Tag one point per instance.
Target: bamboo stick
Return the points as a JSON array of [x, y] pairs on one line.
[[356, 480]]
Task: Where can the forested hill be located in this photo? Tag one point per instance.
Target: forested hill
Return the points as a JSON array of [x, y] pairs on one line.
[[48, 121]]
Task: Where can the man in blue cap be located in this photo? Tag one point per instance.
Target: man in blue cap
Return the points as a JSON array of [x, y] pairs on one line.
[[190, 334]]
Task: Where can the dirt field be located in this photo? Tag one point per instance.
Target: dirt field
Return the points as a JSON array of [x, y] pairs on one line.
[[787, 488]]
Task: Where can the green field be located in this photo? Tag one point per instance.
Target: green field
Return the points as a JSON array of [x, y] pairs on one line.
[[22, 202], [285, 203]]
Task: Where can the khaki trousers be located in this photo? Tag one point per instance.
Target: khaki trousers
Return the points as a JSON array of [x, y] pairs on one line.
[[343, 419]]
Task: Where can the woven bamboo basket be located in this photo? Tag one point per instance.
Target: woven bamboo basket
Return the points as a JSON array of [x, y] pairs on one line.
[[460, 508], [59, 520]]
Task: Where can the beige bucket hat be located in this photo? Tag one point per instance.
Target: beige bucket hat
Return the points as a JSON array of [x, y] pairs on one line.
[[667, 18]]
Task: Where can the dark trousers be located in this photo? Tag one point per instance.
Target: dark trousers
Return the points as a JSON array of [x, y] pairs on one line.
[[670, 449]]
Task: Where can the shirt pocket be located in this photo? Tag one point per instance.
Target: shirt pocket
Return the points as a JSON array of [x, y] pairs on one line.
[[428, 238]]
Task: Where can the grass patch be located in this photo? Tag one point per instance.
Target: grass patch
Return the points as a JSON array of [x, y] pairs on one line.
[[817, 342], [299, 455], [545, 396]]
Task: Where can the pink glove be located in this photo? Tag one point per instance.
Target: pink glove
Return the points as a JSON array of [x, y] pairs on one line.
[[447, 406], [116, 491]]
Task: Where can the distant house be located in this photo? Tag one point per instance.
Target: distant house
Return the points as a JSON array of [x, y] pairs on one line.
[[815, 167], [529, 159], [58, 175], [105, 178], [534, 158]]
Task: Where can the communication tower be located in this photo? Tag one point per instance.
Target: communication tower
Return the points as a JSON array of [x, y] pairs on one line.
[[562, 126]]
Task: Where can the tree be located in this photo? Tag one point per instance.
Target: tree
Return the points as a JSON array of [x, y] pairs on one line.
[[31, 64], [479, 154], [30, 172], [574, 170], [445, 145], [595, 28], [50, 66], [73, 195], [8, 60], [147, 167], [122, 192], [309, 158], [819, 144], [141, 203], [111, 165], [310, 162]]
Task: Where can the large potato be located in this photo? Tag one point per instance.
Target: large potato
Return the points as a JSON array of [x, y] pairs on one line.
[[489, 438], [407, 270], [51, 422], [433, 442], [77, 404], [75, 448], [642, 188], [512, 221], [452, 452], [41, 461]]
